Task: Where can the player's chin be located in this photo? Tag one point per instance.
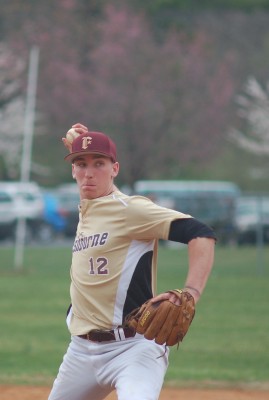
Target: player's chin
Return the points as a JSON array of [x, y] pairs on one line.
[[89, 192]]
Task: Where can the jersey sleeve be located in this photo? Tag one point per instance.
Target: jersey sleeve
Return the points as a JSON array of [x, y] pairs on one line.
[[146, 220]]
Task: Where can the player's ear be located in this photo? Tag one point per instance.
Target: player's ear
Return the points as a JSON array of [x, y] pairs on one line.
[[115, 170], [73, 172]]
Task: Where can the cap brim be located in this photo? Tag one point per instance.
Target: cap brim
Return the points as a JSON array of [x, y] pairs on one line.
[[72, 156]]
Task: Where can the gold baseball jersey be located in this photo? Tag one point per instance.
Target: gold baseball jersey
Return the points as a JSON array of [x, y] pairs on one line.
[[114, 259]]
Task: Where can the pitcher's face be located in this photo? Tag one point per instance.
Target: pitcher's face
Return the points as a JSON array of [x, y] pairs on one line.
[[95, 175]]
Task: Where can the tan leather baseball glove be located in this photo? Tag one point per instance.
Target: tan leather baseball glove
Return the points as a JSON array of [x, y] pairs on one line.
[[164, 321]]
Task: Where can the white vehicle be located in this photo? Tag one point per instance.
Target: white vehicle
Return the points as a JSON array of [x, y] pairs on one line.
[[7, 221], [21, 200], [252, 219], [212, 202]]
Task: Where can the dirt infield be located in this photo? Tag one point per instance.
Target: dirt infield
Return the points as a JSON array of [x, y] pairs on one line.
[[41, 393]]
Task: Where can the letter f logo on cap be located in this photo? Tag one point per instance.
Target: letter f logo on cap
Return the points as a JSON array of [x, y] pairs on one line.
[[85, 142]]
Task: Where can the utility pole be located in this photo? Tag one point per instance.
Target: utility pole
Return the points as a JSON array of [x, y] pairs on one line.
[[28, 131]]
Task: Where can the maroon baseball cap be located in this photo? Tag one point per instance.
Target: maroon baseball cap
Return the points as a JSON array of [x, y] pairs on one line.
[[92, 143]]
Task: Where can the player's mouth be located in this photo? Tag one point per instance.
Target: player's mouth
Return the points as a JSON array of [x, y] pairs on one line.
[[88, 186]]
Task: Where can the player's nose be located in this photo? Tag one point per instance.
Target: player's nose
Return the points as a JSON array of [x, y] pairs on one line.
[[89, 172]]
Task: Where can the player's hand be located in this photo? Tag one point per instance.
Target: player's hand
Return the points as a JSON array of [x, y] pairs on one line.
[[167, 296], [80, 129]]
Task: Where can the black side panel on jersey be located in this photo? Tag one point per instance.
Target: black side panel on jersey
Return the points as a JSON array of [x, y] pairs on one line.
[[140, 289]]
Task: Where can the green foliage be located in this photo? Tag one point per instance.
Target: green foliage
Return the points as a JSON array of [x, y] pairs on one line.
[[227, 341]]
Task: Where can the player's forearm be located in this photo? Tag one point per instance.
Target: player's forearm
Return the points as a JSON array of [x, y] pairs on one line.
[[201, 258]]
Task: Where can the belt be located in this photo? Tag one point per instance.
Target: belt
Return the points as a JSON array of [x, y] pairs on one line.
[[117, 334]]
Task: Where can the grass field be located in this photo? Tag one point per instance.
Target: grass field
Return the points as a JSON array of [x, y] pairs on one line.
[[228, 341]]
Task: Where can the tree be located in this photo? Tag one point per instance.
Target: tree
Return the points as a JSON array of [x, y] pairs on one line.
[[254, 111], [12, 69], [163, 101]]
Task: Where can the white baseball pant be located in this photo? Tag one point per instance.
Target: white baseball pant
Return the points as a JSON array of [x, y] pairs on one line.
[[135, 367]]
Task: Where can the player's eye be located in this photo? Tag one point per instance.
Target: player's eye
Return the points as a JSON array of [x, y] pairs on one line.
[[99, 163], [81, 164]]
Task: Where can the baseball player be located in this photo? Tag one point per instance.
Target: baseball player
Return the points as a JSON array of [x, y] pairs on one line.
[[113, 272]]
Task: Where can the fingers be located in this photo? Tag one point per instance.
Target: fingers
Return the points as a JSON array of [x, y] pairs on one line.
[[67, 144], [166, 296], [80, 128], [160, 297], [175, 299]]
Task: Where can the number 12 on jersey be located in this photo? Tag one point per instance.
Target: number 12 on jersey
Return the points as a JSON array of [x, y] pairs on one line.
[[98, 266]]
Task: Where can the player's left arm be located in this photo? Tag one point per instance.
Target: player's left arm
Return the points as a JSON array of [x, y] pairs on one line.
[[201, 247], [201, 259]]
